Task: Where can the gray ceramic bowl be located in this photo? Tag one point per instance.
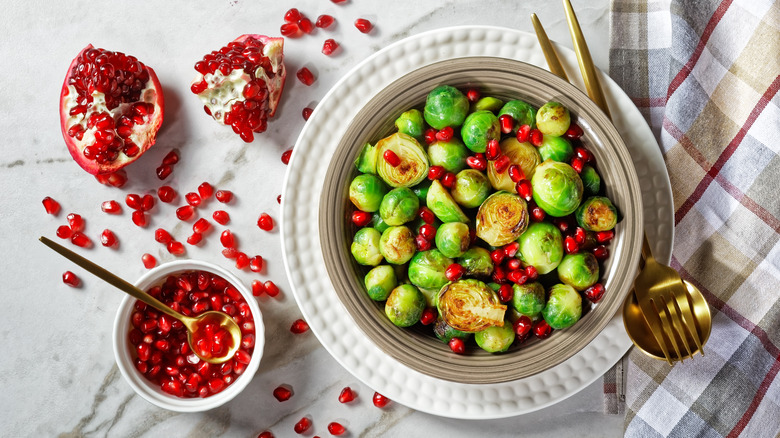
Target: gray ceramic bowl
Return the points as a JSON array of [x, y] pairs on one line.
[[416, 347]]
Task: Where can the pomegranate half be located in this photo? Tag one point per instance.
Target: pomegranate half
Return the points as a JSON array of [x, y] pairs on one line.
[[111, 107]]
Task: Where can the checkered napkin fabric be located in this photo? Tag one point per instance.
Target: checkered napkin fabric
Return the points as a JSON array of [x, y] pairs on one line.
[[706, 76]]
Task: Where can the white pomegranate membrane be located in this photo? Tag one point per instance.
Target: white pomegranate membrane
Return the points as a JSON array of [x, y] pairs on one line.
[[159, 343]]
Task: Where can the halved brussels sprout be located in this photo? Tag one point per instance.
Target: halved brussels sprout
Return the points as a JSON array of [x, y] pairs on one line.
[[453, 239], [414, 160], [397, 245], [426, 269], [445, 106], [445, 332], [522, 112], [495, 339], [399, 206], [479, 128], [541, 246], [477, 262], [591, 180], [579, 271], [528, 299], [524, 155], [366, 192], [556, 149], [502, 218], [442, 205], [564, 307], [380, 281], [596, 214], [470, 306], [366, 161], [557, 188], [471, 188], [451, 155], [488, 103], [405, 305], [553, 119], [365, 247], [410, 123]]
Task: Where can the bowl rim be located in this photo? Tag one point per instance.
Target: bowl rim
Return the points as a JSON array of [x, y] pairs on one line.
[[154, 394]]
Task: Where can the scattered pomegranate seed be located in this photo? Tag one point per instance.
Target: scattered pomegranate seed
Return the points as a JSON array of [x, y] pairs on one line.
[[305, 76], [201, 226], [306, 113], [473, 95], [524, 189], [513, 264], [499, 275], [139, 218], [522, 327], [426, 215], [76, 222], [515, 173], [435, 172], [577, 164], [257, 288], [448, 180], [329, 46], [324, 21], [164, 171], [185, 212], [193, 199], [428, 231], [542, 330], [391, 158], [306, 25], [290, 30], [51, 206], [338, 1], [282, 393], [271, 289], [71, 279], [536, 137], [457, 345], [115, 179], [445, 134], [279, 199], [299, 326], [379, 400], [221, 217], [265, 222], [574, 132], [162, 236], [166, 194], [517, 276], [80, 239], [477, 162], [363, 25], [562, 223], [583, 153], [429, 135], [361, 218], [605, 236], [505, 293], [108, 238], [176, 248], [502, 163], [601, 252], [147, 202], [286, 156], [336, 428], [579, 235], [171, 157], [571, 245], [492, 150], [292, 15], [266, 434], [256, 263], [454, 272], [205, 190], [537, 213], [347, 395], [134, 201], [507, 123], [230, 253], [224, 196], [497, 255], [149, 261], [531, 272], [111, 207], [227, 240], [302, 425], [242, 260], [422, 243], [194, 238], [595, 293], [64, 232], [428, 316], [510, 249]]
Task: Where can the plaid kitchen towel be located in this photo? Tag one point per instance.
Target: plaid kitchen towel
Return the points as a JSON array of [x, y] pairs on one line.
[[706, 76]]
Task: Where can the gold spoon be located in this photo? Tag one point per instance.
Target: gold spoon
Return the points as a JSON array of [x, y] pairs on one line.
[[191, 323]]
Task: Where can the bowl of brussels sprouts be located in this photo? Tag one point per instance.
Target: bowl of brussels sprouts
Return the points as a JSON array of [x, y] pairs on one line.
[[481, 220]]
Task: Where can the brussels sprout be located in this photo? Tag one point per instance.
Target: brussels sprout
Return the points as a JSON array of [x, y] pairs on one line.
[[414, 160], [591, 180], [528, 299], [442, 205], [378, 223], [524, 155], [421, 190], [556, 149], [470, 306], [445, 106], [479, 128], [399, 206], [563, 308], [366, 192], [557, 188], [579, 271], [495, 339], [523, 113], [445, 332], [477, 262], [453, 239], [426, 269], [380, 281], [430, 296], [365, 247], [488, 103], [596, 214], [410, 123], [405, 305], [541, 246], [451, 155], [502, 218], [553, 119], [397, 245], [471, 188], [366, 161]]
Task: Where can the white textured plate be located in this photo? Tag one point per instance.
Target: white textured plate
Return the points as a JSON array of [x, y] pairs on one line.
[[305, 266]]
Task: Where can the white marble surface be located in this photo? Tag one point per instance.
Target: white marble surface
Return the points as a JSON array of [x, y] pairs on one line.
[[61, 379]]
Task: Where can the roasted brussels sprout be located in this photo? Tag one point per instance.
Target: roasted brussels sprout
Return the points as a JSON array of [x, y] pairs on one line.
[[445, 106], [523, 113], [553, 119], [563, 308], [378, 223], [596, 214], [541, 246], [502, 218], [477, 262], [580, 270], [470, 306], [524, 155], [556, 149], [471, 188], [445, 332], [495, 339], [410, 123], [591, 181], [528, 299], [365, 247], [430, 296], [488, 103], [442, 205], [380, 281], [414, 161], [399, 206], [557, 188], [479, 128], [421, 190], [451, 155], [397, 245], [405, 305], [366, 192], [453, 239], [426, 269], [366, 161]]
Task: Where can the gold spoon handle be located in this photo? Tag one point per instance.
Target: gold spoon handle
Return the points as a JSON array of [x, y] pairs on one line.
[[553, 62]]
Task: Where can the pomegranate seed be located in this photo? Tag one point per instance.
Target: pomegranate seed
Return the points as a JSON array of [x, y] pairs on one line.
[[338, 1], [201, 226], [139, 218], [185, 212], [502, 163], [51, 206], [577, 164], [505, 293], [166, 194], [523, 132], [265, 222], [329, 46], [64, 232], [108, 239], [574, 132], [299, 326], [256, 263], [510, 249], [194, 238], [391, 158], [601, 252], [227, 240], [336, 428], [579, 235], [497, 255], [162, 236], [429, 135], [541, 329], [164, 171], [282, 393], [473, 95], [111, 207], [305, 76], [517, 276], [147, 202], [224, 196], [584, 154], [324, 21], [171, 157], [176, 248], [536, 137], [513, 264], [80, 239], [271, 289], [221, 217], [571, 245], [242, 260], [76, 222], [286, 156], [562, 223], [193, 199], [595, 293], [476, 162], [457, 345], [290, 30], [134, 201], [379, 400], [306, 25], [492, 150], [361, 218], [428, 231], [205, 190], [306, 113], [605, 236], [435, 172], [537, 213], [426, 215], [115, 179], [428, 316], [507, 123], [292, 16], [302, 425], [445, 134], [230, 253], [71, 279], [347, 395], [524, 189], [257, 288], [454, 272], [279, 199], [522, 327], [515, 173], [363, 25], [149, 261], [531, 272], [448, 180], [266, 434], [422, 243]]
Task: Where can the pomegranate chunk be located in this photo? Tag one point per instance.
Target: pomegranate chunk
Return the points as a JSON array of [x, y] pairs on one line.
[[299, 326], [305, 76], [363, 25], [282, 393], [71, 279], [51, 206], [347, 395]]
